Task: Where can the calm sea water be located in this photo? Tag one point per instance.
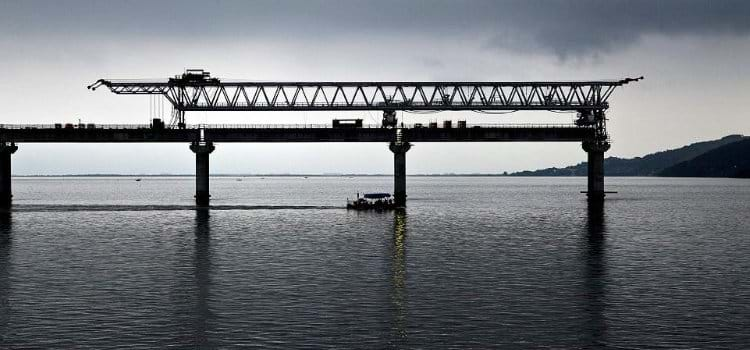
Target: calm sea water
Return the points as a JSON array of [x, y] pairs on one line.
[[473, 262]]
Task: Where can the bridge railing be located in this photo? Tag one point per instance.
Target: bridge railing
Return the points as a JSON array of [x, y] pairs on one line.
[[91, 126], [376, 126], [75, 126]]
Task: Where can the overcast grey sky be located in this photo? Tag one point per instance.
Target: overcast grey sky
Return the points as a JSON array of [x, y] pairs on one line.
[[694, 55]]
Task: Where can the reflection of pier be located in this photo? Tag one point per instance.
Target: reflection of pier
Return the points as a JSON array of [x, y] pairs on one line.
[[193, 291], [398, 276], [5, 266], [202, 272], [595, 273]]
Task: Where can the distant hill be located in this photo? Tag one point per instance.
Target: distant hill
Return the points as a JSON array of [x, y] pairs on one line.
[[732, 160], [650, 165]]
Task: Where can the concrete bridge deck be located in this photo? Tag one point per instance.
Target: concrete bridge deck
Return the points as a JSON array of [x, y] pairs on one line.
[[292, 133], [201, 139]]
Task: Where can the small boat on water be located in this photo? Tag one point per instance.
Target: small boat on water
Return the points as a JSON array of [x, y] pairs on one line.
[[137, 180], [372, 201]]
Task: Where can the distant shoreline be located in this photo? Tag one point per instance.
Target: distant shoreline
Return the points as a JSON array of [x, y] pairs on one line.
[[254, 175], [341, 175]]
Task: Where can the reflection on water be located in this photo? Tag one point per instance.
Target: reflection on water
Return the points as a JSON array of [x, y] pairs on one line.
[[492, 263], [202, 277], [191, 293], [595, 272], [5, 261], [398, 277]]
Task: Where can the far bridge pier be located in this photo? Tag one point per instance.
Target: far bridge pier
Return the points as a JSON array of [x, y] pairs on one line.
[[595, 151], [6, 193], [202, 152], [399, 149]]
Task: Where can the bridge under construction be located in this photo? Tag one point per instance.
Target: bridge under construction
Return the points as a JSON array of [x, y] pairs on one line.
[[196, 90]]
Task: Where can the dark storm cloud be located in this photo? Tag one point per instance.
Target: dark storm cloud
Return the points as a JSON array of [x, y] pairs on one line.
[[580, 27], [553, 26]]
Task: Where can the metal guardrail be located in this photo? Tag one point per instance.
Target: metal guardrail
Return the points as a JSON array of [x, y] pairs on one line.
[[373, 126], [275, 126], [75, 126]]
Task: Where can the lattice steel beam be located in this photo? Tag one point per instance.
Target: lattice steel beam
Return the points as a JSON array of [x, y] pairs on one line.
[[199, 92]]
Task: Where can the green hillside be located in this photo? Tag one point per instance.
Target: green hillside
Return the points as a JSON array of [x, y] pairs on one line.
[[732, 160], [650, 165]]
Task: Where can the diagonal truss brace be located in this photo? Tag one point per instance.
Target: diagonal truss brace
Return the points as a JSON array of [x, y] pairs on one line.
[[187, 93]]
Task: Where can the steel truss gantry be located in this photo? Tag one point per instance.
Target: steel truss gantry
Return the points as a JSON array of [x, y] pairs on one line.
[[197, 91]]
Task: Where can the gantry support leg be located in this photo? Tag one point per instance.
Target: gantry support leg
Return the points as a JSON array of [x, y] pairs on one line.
[[595, 150], [399, 150], [6, 193], [202, 151]]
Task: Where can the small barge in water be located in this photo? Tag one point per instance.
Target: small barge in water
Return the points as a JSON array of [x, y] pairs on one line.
[[372, 201]]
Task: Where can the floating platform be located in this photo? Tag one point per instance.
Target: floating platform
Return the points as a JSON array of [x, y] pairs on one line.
[[372, 201]]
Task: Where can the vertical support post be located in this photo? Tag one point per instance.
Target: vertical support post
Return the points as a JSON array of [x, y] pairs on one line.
[[595, 147], [596, 173], [6, 193], [181, 120], [595, 150], [202, 151], [399, 149]]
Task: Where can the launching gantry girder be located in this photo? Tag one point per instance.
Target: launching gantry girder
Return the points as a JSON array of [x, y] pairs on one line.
[[198, 91]]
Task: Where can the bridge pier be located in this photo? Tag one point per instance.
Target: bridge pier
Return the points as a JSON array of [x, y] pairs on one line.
[[202, 151], [399, 150], [595, 150], [6, 193]]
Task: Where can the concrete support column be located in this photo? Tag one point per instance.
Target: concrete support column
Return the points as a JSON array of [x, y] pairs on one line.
[[202, 151], [595, 150], [399, 171], [6, 193]]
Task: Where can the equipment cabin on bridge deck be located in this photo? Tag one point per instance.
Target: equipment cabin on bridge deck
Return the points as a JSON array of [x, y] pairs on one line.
[[157, 124]]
